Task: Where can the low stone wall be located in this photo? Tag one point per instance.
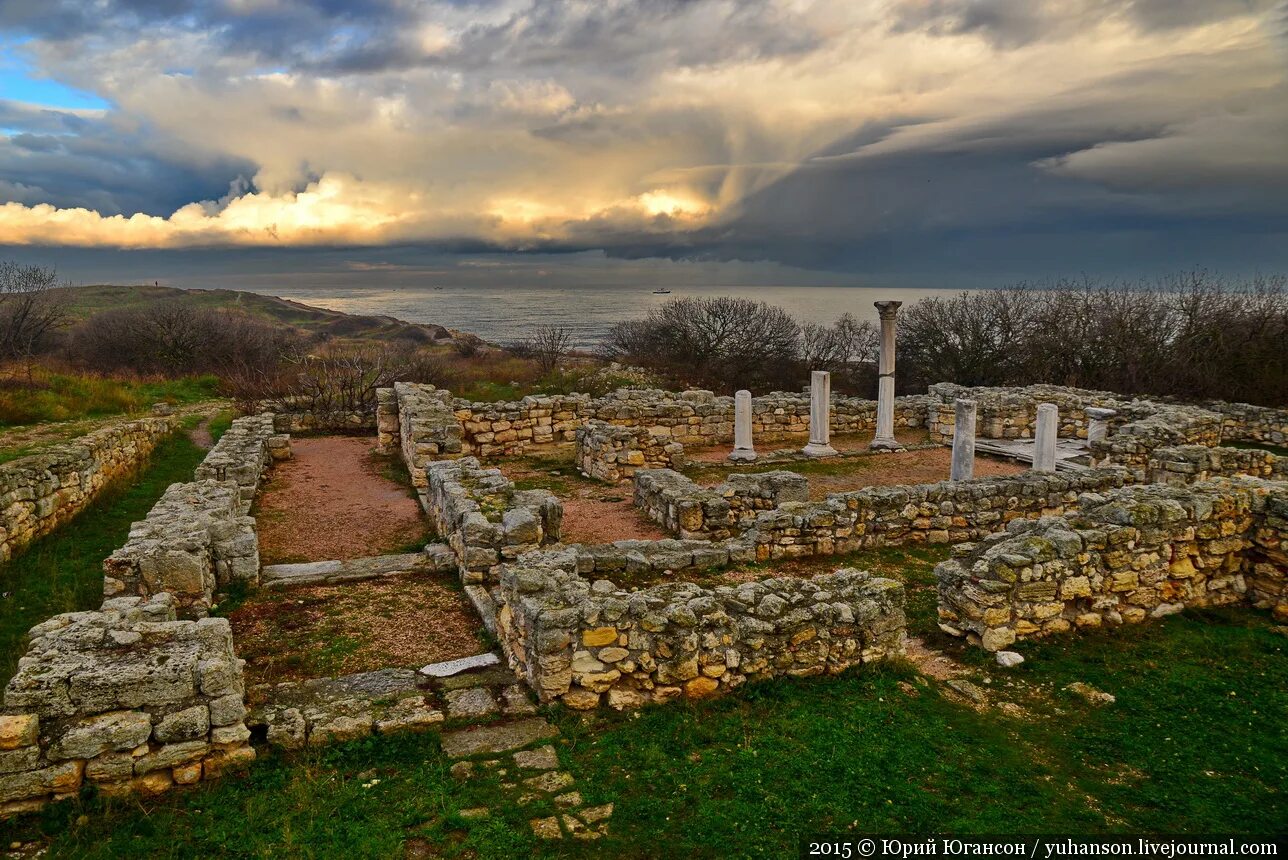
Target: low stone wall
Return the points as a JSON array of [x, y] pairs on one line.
[[610, 453], [1132, 443], [1135, 553], [428, 430], [1011, 412], [40, 492], [321, 711], [1243, 422], [484, 519], [946, 512], [244, 453], [689, 417], [194, 539], [127, 699], [1186, 464], [583, 644], [714, 513]]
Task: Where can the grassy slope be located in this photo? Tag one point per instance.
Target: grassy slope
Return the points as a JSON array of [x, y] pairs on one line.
[[63, 572], [1194, 744], [71, 396], [87, 301]]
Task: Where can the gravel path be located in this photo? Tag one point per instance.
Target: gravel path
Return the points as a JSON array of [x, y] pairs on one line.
[[331, 501]]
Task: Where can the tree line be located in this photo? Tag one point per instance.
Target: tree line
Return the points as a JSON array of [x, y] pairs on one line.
[[1193, 336]]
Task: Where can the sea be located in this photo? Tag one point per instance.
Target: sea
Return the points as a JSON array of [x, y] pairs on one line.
[[507, 314]]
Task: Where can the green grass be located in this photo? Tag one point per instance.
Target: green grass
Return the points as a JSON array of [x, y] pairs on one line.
[[1195, 743], [67, 396], [62, 572]]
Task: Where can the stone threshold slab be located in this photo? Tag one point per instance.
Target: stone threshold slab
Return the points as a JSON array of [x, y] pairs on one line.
[[348, 570], [496, 737], [448, 668]]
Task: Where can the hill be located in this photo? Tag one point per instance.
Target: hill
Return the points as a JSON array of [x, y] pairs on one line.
[[85, 302]]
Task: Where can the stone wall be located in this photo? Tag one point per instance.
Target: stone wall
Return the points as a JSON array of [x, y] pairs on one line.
[[194, 540], [610, 453], [127, 699], [1186, 464], [40, 492], [341, 421], [697, 418], [1128, 555], [243, 455], [484, 519], [428, 430], [946, 512], [1132, 443], [1243, 422], [582, 644], [687, 510], [1011, 412]]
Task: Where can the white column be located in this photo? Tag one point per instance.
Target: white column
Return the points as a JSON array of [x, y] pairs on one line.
[[884, 439], [1048, 425], [963, 440], [820, 415], [742, 444], [1098, 423]]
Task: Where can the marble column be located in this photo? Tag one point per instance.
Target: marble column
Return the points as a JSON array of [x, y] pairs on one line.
[[820, 415], [743, 449], [1044, 435], [1098, 423], [884, 440], [963, 468]]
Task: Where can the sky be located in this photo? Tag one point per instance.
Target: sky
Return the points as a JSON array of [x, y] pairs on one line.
[[917, 142]]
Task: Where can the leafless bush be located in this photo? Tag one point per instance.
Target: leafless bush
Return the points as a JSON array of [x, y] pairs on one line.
[[31, 311], [1192, 336], [847, 349], [332, 385], [173, 338], [721, 343], [548, 345]]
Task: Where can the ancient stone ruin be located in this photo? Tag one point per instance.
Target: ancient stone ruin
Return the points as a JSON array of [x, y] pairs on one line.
[[1133, 509]]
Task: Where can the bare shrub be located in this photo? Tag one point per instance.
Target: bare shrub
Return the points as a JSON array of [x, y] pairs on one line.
[[331, 385], [1193, 336], [175, 339], [548, 345], [847, 349], [31, 311], [720, 343]]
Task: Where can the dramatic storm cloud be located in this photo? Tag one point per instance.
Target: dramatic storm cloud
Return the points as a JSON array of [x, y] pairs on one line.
[[851, 135]]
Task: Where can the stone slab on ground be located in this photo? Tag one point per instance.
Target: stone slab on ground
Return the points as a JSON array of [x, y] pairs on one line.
[[496, 738], [449, 668], [470, 703], [1067, 451], [350, 570]]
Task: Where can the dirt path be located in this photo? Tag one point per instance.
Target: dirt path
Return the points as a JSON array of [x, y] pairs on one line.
[[331, 501], [200, 435], [593, 512]]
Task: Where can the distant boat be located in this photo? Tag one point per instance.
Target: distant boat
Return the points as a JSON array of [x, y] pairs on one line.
[[661, 292]]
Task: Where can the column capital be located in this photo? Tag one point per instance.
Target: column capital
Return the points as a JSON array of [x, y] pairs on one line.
[[888, 309]]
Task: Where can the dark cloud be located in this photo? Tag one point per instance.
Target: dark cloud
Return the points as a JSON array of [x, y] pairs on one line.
[[71, 159]]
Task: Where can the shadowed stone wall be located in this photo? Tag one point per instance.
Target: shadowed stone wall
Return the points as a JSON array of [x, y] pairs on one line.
[[40, 492], [1132, 554]]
